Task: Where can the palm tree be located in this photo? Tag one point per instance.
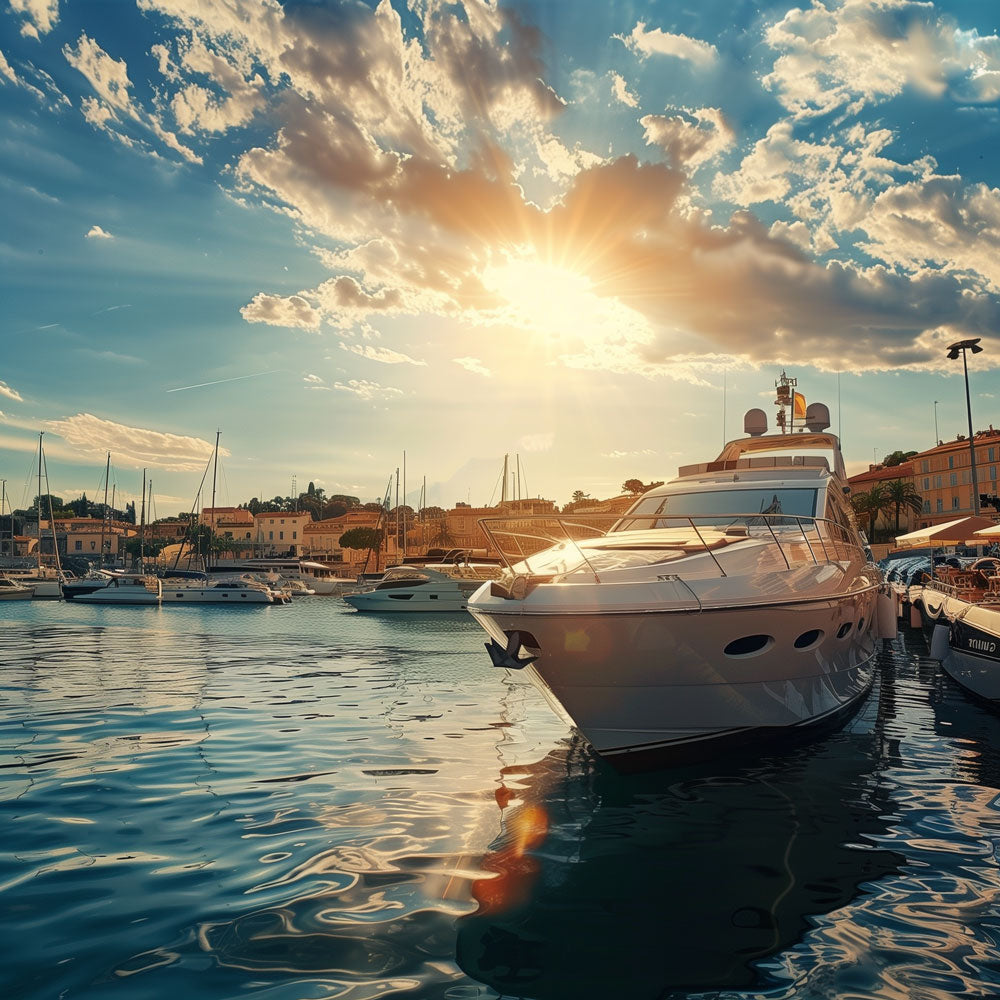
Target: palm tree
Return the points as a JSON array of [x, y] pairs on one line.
[[871, 504], [902, 493]]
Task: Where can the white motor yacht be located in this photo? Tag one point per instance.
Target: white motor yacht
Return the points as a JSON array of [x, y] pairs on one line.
[[426, 586], [241, 590], [122, 588], [734, 602], [13, 590]]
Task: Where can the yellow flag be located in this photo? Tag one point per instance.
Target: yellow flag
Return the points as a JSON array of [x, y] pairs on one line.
[[800, 405]]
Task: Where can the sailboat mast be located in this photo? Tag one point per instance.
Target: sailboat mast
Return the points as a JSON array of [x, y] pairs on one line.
[[404, 504], [104, 514], [503, 492], [38, 546], [52, 521], [142, 521], [215, 469], [3, 504], [518, 477]]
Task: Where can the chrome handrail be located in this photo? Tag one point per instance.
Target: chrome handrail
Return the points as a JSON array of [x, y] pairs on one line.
[[494, 529]]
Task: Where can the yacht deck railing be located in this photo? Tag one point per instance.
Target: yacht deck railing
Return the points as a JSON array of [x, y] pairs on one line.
[[799, 540]]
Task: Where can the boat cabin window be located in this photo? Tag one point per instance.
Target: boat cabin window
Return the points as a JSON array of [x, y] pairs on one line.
[[719, 507]]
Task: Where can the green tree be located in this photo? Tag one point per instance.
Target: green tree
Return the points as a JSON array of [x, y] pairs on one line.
[[361, 538], [897, 458], [902, 493], [637, 486], [442, 537], [871, 505]]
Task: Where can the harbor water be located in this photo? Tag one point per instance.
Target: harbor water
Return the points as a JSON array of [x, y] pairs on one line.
[[309, 802]]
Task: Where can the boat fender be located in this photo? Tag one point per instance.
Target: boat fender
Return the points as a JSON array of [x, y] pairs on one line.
[[885, 616], [939, 642], [915, 620], [508, 658]]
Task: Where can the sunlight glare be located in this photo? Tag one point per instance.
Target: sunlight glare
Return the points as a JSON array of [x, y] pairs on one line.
[[562, 305]]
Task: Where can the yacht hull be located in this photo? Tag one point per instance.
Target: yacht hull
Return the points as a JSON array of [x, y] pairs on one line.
[[403, 601], [645, 684]]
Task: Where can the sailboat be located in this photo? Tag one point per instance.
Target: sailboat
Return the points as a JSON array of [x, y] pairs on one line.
[[46, 581]]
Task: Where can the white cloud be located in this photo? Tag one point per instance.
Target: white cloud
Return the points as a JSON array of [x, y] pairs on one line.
[[381, 354], [312, 379], [6, 390], [367, 390], [857, 52], [41, 16], [473, 365], [97, 233], [294, 311], [689, 139], [113, 109], [537, 442], [629, 454], [5, 69], [655, 41], [620, 91], [939, 221], [137, 446]]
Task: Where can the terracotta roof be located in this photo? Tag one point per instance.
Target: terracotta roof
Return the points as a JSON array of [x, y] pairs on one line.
[[882, 474]]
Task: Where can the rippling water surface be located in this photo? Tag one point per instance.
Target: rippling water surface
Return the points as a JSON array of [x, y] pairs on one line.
[[304, 801]]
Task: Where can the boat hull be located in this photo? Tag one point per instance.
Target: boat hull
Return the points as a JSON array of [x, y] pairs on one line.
[[398, 601], [973, 656], [647, 684], [242, 596], [20, 594]]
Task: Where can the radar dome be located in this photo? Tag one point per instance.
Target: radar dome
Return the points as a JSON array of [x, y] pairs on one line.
[[755, 422]]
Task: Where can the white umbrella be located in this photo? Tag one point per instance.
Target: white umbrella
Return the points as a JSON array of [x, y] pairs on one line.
[[962, 531]]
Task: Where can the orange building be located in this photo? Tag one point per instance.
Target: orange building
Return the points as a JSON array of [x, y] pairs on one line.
[[943, 476], [280, 533], [321, 541]]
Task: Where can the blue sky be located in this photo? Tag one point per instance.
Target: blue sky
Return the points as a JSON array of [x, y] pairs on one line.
[[336, 232]]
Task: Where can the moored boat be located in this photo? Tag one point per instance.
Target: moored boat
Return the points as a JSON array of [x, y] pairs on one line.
[[234, 591], [445, 584], [124, 588], [969, 649], [13, 590], [735, 603]]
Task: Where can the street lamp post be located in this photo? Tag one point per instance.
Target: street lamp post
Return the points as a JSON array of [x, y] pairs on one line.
[[962, 347]]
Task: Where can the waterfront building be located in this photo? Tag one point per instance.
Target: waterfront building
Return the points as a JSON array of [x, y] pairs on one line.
[[321, 541], [943, 476], [280, 533], [81, 536]]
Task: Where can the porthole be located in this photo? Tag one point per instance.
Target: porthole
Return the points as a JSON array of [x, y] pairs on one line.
[[861, 624], [843, 630], [809, 639], [749, 645]]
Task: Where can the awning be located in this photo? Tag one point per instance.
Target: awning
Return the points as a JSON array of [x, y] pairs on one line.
[[989, 534], [959, 532]]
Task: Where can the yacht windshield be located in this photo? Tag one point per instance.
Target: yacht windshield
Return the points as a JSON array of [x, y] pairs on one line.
[[720, 507]]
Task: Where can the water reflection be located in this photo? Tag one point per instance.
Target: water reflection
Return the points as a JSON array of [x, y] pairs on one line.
[[681, 880]]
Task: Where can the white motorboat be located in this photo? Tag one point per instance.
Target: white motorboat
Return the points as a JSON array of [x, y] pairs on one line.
[[240, 590], [969, 647], [122, 588], [14, 590], [441, 586], [46, 581], [735, 602], [316, 576]]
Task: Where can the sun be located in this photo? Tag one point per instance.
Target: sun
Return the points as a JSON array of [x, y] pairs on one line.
[[561, 305]]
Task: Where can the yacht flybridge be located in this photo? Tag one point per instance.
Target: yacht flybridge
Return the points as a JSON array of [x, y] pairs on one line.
[[737, 601]]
